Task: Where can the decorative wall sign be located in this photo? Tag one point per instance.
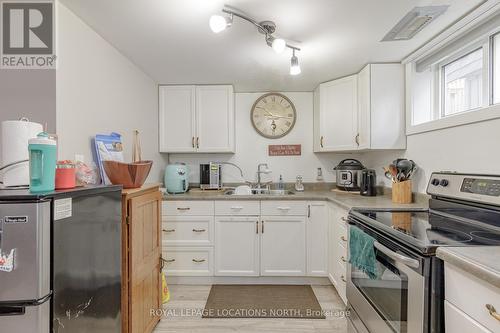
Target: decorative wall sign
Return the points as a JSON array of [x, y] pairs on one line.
[[285, 150]]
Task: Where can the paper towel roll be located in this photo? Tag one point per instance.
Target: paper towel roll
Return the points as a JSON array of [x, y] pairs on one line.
[[15, 136]]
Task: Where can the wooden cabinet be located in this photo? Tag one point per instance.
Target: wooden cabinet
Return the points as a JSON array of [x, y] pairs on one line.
[[141, 253], [283, 246], [237, 250], [317, 238], [196, 119], [362, 111], [336, 115]]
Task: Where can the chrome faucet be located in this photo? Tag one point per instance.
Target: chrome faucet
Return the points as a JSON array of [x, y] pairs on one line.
[[260, 172]]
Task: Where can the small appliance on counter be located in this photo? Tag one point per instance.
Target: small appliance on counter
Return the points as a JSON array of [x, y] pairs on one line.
[[349, 174], [14, 166], [211, 176], [368, 184], [177, 178], [42, 162]]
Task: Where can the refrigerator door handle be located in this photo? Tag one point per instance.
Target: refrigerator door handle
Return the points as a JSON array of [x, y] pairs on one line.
[[21, 304]]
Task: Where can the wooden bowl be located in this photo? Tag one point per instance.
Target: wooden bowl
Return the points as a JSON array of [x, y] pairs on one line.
[[130, 175]]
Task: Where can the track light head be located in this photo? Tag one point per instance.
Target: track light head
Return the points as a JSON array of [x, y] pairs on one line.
[[278, 45], [294, 65], [219, 23]]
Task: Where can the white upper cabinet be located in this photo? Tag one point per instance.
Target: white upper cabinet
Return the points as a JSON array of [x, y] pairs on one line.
[[336, 115], [197, 119], [177, 118], [362, 111], [381, 117]]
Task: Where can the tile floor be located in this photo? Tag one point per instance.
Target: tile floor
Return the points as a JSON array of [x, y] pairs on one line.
[[183, 314]]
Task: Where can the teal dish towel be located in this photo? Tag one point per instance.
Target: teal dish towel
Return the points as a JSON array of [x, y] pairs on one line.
[[362, 253]]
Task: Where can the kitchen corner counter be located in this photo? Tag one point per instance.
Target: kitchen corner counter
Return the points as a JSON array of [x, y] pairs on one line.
[[345, 199], [480, 261]]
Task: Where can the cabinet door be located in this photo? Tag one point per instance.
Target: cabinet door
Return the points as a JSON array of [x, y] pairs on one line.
[[338, 112], [144, 254], [332, 246], [237, 246], [317, 239], [283, 246], [177, 119], [364, 108], [215, 119]]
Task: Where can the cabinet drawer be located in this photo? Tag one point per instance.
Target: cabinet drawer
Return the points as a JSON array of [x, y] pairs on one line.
[[232, 207], [188, 231], [188, 261], [182, 208], [283, 208], [457, 321], [470, 295]]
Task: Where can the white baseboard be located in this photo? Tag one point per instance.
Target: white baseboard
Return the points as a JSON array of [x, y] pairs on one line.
[[208, 280]]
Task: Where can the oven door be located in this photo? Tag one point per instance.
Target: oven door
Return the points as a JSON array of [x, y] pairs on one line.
[[394, 301]]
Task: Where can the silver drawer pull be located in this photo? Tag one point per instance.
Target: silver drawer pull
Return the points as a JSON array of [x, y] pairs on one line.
[[199, 260], [169, 260], [168, 230], [237, 207], [183, 208], [343, 239], [344, 219], [493, 312], [343, 259], [199, 230], [343, 278], [284, 208]]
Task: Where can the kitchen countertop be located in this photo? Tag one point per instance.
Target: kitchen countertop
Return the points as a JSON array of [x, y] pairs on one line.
[[344, 199], [480, 261]]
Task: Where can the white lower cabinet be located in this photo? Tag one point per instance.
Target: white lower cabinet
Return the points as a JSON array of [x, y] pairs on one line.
[[237, 250], [283, 246], [317, 238], [188, 261], [338, 249], [458, 321]]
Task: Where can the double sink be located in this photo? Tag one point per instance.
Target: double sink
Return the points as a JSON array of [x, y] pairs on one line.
[[263, 192]]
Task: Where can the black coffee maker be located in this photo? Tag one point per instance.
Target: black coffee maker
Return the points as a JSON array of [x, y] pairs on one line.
[[368, 184]]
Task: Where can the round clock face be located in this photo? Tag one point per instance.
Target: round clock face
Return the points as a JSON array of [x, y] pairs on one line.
[[273, 115]]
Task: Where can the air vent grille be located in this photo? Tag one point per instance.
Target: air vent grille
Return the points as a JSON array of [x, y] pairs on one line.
[[413, 22]]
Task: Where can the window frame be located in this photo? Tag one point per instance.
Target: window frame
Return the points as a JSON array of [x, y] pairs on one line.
[[488, 109]]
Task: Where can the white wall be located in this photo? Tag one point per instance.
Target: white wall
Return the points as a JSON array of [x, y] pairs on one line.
[[252, 149], [472, 148], [100, 91]]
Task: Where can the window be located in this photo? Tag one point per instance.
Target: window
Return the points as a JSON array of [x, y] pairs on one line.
[[463, 84], [496, 68]]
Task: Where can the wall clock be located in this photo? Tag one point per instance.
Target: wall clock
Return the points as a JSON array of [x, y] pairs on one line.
[[273, 115]]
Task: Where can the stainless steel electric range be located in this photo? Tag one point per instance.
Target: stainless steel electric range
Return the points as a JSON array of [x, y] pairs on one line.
[[408, 297]]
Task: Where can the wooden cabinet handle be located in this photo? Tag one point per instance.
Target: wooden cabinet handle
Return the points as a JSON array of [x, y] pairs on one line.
[[493, 312], [198, 260], [343, 239], [168, 230], [321, 141], [183, 208], [199, 230]]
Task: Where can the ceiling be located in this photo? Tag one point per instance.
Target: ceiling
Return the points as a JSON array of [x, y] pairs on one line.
[[172, 42]]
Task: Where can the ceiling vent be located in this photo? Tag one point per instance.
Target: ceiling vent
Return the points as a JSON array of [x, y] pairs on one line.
[[416, 19]]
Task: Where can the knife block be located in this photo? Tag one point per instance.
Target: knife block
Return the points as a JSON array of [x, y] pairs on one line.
[[402, 192]]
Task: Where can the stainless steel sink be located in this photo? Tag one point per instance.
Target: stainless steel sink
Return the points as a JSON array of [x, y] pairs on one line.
[[264, 192]]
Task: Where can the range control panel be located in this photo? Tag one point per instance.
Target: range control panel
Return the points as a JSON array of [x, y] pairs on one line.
[[477, 188]]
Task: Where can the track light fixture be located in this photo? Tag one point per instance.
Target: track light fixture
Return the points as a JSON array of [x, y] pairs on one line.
[[219, 23]]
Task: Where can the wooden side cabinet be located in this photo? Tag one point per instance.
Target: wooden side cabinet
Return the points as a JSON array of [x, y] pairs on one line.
[[141, 255]]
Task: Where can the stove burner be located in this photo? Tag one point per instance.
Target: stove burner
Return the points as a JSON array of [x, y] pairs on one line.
[[439, 235], [486, 235]]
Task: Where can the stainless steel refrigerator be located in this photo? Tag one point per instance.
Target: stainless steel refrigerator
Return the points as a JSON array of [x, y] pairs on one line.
[[60, 260]]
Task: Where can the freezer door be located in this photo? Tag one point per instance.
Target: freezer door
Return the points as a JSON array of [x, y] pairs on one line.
[[24, 242], [33, 319]]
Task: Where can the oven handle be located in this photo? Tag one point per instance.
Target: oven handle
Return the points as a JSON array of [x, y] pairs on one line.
[[396, 256]]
